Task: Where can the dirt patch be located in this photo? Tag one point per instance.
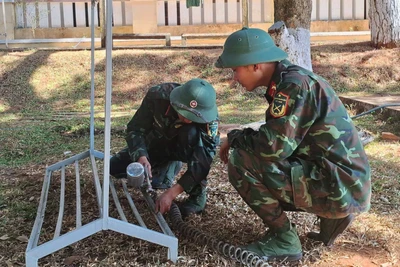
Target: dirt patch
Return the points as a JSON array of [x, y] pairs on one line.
[[226, 218], [357, 68]]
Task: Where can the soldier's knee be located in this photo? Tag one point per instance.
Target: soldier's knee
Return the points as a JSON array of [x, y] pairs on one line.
[[235, 167], [237, 158], [114, 162], [118, 167]]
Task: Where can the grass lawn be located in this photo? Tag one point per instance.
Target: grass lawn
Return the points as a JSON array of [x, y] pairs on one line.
[[44, 107]]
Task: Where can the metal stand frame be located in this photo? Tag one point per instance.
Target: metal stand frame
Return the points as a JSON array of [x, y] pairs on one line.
[[34, 251]]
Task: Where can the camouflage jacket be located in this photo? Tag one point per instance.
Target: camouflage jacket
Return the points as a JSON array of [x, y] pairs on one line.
[[155, 125], [307, 121]]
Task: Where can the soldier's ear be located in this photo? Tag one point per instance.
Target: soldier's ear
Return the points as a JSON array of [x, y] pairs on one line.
[[256, 67]]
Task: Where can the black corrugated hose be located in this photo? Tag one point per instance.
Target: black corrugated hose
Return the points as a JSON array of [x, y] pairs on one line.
[[230, 251]]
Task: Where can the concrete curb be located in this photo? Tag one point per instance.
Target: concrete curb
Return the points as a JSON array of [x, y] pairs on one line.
[[176, 42], [365, 103]]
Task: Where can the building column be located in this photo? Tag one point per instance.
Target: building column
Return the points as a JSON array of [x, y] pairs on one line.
[[10, 21], [269, 12], [144, 16]]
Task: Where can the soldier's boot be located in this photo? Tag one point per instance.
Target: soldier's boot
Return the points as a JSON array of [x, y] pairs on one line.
[[164, 175], [330, 229], [196, 202], [278, 246]]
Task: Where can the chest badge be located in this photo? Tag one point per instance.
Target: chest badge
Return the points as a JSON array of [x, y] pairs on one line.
[[279, 105]]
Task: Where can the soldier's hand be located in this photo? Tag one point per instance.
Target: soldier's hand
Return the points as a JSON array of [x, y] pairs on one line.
[[146, 164], [224, 152], [164, 201]]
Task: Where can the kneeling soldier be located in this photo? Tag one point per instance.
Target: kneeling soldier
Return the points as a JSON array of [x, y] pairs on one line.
[[174, 124], [307, 156]]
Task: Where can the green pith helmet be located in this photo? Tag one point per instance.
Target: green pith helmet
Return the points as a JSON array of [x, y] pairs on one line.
[[249, 46], [195, 100]]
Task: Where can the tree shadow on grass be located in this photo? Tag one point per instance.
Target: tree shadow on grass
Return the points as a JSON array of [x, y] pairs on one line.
[[149, 69], [69, 91], [357, 68], [16, 90]]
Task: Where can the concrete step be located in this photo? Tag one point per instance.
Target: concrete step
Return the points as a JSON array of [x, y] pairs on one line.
[[389, 104]]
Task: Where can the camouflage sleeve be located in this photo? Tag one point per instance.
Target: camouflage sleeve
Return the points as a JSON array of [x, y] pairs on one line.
[[288, 119], [199, 163], [137, 129]]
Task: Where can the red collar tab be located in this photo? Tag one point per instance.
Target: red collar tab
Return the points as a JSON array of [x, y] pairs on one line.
[[166, 113], [272, 89]]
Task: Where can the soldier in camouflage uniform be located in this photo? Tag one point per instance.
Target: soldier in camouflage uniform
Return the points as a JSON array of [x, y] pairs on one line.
[[175, 123], [306, 157]]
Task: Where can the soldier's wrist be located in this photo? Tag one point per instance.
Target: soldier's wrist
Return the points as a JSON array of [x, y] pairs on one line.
[[175, 190]]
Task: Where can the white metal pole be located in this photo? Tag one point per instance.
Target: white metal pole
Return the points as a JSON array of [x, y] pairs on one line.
[[107, 117], [92, 78], [5, 25]]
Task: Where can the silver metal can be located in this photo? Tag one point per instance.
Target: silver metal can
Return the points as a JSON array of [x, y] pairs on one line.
[[135, 174]]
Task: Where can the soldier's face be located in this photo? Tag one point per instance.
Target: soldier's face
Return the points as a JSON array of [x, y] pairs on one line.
[[246, 76], [183, 119]]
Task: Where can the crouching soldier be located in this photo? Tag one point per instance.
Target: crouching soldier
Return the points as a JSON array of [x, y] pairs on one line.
[[175, 123], [307, 156]]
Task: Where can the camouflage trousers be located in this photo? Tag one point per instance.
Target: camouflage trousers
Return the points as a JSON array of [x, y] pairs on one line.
[[270, 188], [164, 155]]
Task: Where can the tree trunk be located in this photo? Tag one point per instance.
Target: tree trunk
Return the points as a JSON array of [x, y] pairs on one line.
[[245, 13], [385, 23], [102, 4], [291, 30]]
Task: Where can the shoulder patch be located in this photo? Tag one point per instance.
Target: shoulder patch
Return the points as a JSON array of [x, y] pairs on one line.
[[279, 105], [212, 129]]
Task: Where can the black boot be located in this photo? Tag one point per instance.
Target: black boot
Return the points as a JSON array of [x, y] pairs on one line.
[[330, 229], [196, 201]]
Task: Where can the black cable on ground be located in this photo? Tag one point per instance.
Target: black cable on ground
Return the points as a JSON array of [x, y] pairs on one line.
[[373, 109], [364, 136]]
